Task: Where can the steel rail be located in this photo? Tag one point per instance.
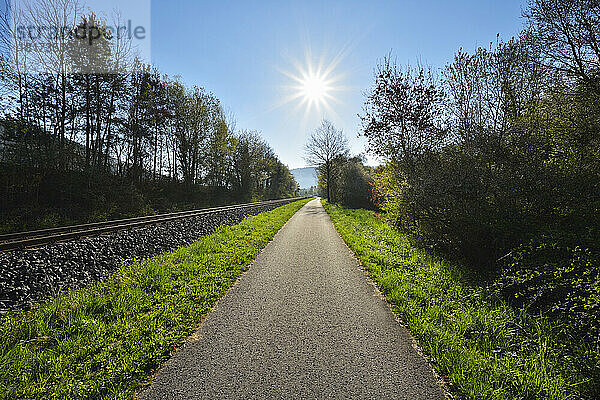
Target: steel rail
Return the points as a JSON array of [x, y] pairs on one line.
[[38, 237]]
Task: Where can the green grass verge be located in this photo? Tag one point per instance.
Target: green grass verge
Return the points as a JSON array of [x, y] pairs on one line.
[[483, 348], [105, 340]]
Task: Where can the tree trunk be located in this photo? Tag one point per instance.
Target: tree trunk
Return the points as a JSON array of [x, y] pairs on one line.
[[328, 173]]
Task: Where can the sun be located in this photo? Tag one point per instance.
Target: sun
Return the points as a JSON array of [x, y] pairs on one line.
[[314, 85], [314, 89]]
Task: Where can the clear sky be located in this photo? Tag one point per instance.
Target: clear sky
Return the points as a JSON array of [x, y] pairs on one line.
[[247, 53]]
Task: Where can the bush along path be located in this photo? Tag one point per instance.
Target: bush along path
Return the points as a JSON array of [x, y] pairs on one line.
[[103, 341], [483, 348]]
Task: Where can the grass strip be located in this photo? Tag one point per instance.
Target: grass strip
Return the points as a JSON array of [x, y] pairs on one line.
[[482, 348], [104, 341]]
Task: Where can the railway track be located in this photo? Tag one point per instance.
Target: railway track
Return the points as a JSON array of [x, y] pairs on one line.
[[19, 240]]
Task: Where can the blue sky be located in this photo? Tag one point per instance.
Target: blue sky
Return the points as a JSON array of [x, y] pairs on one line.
[[237, 49]]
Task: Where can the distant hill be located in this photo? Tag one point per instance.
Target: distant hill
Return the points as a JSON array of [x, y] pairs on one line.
[[306, 177]]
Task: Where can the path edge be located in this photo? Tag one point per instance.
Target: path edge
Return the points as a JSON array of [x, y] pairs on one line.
[[196, 335], [377, 293]]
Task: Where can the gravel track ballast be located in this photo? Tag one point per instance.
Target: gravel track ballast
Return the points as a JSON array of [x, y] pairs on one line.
[[33, 275]]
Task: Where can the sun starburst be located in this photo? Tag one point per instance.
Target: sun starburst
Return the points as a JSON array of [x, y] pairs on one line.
[[313, 85]]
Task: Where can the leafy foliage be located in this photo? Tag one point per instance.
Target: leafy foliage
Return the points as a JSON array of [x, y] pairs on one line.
[[558, 282], [513, 156], [77, 135], [350, 182], [507, 184]]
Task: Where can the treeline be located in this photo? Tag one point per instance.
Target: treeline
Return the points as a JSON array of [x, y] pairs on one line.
[[81, 143], [495, 161], [501, 147]]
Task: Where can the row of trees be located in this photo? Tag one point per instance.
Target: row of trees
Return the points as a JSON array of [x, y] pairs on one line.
[[500, 148], [87, 128]]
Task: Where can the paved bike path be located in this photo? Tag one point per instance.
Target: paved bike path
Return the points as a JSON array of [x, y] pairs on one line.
[[303, 322]]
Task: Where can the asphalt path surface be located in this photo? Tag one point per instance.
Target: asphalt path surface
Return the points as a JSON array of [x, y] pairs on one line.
[[303, 322]]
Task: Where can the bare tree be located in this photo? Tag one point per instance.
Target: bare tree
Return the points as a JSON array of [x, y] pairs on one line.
[[568, 34], [323, 147]]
